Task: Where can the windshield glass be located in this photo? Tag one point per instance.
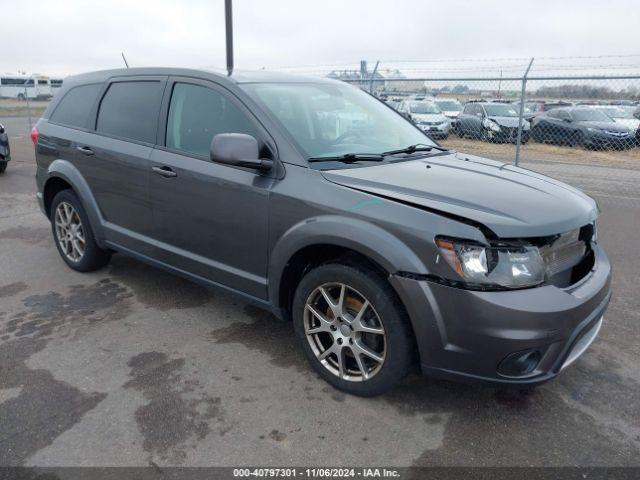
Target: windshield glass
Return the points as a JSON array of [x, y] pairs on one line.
[[500, 110], [449, 105], [616, 112], [423, 108], [331, 120], [590, 115]]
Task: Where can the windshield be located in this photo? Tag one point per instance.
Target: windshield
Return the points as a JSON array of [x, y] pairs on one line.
[[590, 115], [500, 110], [616, 112], [449, 105], [423, 108], [331, 120]]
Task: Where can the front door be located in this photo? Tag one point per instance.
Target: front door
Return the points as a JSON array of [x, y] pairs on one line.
[[210, 220]]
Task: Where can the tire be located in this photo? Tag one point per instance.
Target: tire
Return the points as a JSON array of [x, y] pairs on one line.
[[3, 167], [394, 346], [86, 259], [577, 139], [484, 135], [21, 97]]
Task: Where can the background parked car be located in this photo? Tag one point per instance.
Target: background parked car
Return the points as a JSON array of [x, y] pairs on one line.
[[621, 114], [537, 107], [5, 153], [450, 107], [493, 122], [583, 126], [427, 116], [393, 103]]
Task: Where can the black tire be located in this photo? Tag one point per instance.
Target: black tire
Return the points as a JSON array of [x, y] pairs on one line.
[[94, 257], [577, 139], [21, 97], [3, 167], [390, 311]]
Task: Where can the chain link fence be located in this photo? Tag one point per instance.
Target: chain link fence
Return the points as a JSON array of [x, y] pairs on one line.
[[529, 117]]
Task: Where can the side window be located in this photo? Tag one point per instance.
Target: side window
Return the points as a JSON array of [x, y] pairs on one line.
[[130, 110], [564, 115], [197, 114], [75, 107]]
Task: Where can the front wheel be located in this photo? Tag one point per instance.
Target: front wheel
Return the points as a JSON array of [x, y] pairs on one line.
[[3, 166], [73, 235], [353, 329]]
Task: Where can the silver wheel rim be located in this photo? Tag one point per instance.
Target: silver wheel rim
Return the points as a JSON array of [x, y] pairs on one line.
[[69, 232], [345, 332]]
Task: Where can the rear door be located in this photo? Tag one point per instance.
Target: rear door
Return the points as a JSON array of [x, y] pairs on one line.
[[114, 157], [210, 219]]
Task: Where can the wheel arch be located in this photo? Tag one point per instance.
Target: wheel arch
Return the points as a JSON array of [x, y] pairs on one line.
[[321, 239], [62, 175]]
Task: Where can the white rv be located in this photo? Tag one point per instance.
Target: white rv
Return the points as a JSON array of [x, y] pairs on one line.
[[25, 86]]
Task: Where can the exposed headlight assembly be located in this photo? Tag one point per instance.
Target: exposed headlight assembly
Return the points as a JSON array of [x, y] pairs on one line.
[[493, 267], [491, 125]]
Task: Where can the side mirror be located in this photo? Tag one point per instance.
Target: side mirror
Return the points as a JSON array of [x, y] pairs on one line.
[[238, 149], [1, 128]]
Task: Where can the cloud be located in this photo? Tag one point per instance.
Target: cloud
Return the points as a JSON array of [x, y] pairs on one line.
[[69, 36]]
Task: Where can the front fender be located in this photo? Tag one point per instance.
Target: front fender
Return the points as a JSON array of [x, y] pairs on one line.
[[66, 171], [358, 235]]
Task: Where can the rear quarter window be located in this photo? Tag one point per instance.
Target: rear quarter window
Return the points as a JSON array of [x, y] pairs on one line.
[[130, 110], [75, 107]]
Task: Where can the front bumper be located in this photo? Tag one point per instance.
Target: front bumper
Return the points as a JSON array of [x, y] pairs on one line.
[[603, 140], [436, 131], [508, 135], [465, 335]]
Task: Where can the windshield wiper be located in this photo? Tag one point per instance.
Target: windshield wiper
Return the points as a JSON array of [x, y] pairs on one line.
[[350, 157], [418, 147]]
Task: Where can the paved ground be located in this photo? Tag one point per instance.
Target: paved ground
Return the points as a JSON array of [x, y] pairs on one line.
[[131, 365]]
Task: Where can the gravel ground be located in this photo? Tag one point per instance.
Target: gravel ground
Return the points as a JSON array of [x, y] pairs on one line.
[[130, 365]]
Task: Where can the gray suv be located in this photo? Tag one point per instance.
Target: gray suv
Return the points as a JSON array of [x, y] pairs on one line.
[[316, 201]]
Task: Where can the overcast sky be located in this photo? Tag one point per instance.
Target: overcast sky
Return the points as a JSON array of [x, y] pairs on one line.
[[60, 37]]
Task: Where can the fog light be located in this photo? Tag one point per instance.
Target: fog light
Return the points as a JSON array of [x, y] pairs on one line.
[[521, 363]]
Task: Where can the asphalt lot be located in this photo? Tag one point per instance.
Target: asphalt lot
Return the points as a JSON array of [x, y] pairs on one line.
[[130, 365]]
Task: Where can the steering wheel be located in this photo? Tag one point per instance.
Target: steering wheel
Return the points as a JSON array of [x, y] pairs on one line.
[[344, 136]]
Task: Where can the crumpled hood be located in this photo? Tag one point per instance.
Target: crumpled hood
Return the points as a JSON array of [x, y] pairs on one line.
[[506, 121], [510, 201]]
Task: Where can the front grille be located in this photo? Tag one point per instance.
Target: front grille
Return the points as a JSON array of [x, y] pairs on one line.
[[564, 253], [617, 134]]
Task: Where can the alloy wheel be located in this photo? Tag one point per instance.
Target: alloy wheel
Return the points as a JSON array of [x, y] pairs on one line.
[[69, 232], [345, 332]]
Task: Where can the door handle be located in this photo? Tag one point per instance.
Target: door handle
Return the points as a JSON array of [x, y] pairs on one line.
[[85, 150], [164, 171]]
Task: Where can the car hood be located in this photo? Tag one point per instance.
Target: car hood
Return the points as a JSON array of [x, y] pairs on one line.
[[610, 126], [505, 121], [631, 123], [510, 201], [428, 117]]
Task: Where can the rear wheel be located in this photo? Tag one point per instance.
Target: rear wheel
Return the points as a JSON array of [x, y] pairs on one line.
[[353, 329], [3, 166], [73, 235], [21, 97]]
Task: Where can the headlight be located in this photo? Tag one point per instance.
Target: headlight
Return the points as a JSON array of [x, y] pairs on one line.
[[490, 124], [480, 266]]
